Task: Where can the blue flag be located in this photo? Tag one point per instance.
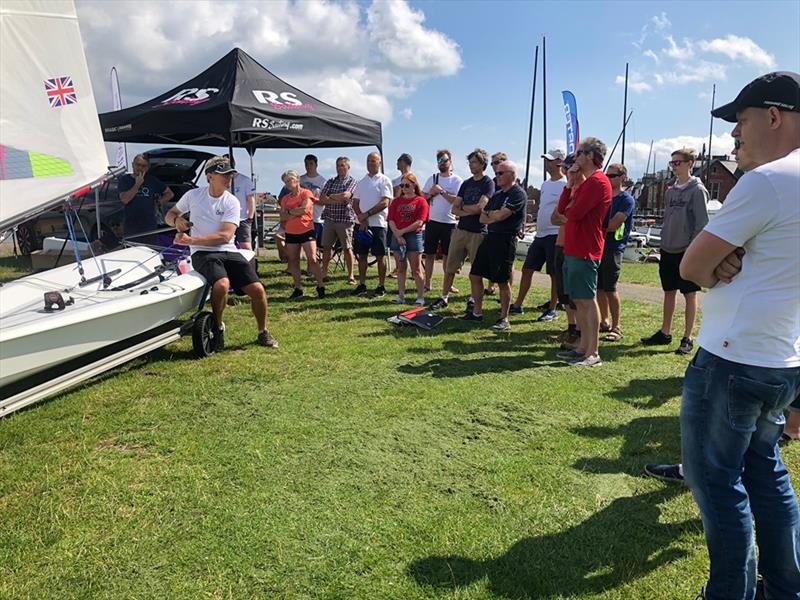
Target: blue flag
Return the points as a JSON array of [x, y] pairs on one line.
[[571, 119]]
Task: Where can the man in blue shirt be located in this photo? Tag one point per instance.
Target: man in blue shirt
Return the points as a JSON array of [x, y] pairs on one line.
[[143, 195], [504, 215], [618, 224]]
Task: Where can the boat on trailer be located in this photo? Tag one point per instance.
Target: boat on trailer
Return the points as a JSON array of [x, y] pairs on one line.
[[66, 324]]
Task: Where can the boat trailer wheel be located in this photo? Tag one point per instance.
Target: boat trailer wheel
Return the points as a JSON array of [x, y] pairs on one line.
[[204, 339]]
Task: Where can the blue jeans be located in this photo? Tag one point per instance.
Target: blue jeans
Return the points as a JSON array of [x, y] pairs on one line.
[[731, 419]]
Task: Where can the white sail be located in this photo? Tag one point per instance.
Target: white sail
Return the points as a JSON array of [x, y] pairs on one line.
[[50, 138]]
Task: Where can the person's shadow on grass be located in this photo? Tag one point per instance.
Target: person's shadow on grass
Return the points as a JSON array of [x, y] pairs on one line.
[[620, 543], [649, 393]]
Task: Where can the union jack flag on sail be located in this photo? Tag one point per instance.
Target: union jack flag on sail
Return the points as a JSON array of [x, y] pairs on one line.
[[60, 91]]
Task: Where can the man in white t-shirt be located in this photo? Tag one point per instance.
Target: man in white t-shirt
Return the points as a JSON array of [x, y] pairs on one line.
[[441, 190], [371, 206], [314, 182], [543, 249], [747, 370], [214, 217], [242, 187]]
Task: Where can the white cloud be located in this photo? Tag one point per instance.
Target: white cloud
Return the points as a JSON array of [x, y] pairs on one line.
[[739, 48], [636, 152], [352, 66], [397, 30], [695, 72], [684, 52], [635, 82], [661, 21], [651, 54], [407, 112]]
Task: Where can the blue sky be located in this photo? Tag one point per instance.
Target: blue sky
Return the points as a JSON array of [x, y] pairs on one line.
[[458, 74]]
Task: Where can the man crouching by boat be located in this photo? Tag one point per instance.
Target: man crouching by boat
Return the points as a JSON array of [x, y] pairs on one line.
[[215, 216]]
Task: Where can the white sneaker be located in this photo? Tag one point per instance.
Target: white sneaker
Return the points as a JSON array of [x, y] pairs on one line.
[[420, 301], [399, 300]]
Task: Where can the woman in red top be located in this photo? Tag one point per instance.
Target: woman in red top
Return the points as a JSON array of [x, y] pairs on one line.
[[297, 217], [407, 214]]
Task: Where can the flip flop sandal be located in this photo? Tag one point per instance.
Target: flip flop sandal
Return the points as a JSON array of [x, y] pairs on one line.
[[614, 335], [604, 328]]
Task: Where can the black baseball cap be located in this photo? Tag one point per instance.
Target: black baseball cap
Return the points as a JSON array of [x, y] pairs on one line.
[[780, 89], [219, 165]]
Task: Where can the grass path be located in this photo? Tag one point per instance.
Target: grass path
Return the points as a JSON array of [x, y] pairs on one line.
[[358, 460]]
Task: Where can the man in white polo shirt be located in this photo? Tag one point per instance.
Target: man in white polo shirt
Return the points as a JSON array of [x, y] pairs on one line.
[[215, 215], [747, 370], [371, 205]]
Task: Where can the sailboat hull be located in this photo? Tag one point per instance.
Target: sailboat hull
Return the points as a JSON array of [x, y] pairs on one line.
[[33, 339]]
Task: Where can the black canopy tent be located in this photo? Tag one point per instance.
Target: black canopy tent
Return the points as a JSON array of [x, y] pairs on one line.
[[236, 102]]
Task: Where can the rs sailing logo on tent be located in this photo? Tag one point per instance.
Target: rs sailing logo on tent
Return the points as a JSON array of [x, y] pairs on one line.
[[60, 91]]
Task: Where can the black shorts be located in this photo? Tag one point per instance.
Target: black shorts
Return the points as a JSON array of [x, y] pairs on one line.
[[540, 253], [669, 271], [301, 238], [436, 232], [378, 247], [495, 257], [244, 232], [218, 265], [608, 273]]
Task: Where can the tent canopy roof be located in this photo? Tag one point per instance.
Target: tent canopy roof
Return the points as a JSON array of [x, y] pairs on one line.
[[237, 102]]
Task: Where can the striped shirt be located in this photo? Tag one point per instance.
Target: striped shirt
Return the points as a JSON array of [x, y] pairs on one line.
[[339, 213]]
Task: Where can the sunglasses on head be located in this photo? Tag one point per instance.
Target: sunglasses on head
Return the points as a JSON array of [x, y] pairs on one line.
[[675, 163], [405, 184]]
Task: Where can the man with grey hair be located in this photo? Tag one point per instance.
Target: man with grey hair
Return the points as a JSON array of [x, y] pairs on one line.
[[585, 203], [503, 216], [472, 198], [338, 216]]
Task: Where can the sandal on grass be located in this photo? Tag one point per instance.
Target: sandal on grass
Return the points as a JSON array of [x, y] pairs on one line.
[[604, 327], [614, 335]]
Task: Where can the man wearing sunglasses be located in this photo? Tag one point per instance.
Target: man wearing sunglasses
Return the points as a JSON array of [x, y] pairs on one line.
[[584, 203], [215, 215], [685, 215], [441, 190], [503, 216], [618, 224]]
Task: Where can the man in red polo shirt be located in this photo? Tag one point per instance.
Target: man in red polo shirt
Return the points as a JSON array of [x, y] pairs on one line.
[[585, 202]]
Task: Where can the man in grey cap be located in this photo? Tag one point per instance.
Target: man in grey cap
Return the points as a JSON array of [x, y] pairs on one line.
[[747, 370], [542, 251], [215, 215]]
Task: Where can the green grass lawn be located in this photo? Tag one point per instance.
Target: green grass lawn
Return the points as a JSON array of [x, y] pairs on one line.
[[358, 460]]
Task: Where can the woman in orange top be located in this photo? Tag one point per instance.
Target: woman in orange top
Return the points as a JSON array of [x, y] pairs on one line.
[[297, 217]]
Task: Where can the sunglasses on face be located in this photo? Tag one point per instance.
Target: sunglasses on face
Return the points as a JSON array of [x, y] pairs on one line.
[[496, 162], [675, 163], [443, 160], [613, 175], [502, 173], [586, 152], [405, 185]]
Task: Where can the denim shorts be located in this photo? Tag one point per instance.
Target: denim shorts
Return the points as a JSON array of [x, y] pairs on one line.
[[413, 242]]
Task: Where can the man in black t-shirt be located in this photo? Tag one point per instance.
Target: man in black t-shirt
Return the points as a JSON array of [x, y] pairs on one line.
[[472, 198], [143, 196], [503, 215]]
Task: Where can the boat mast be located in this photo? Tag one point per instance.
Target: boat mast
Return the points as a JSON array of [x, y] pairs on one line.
[[530, 121], [544, 103], [624, 113]]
